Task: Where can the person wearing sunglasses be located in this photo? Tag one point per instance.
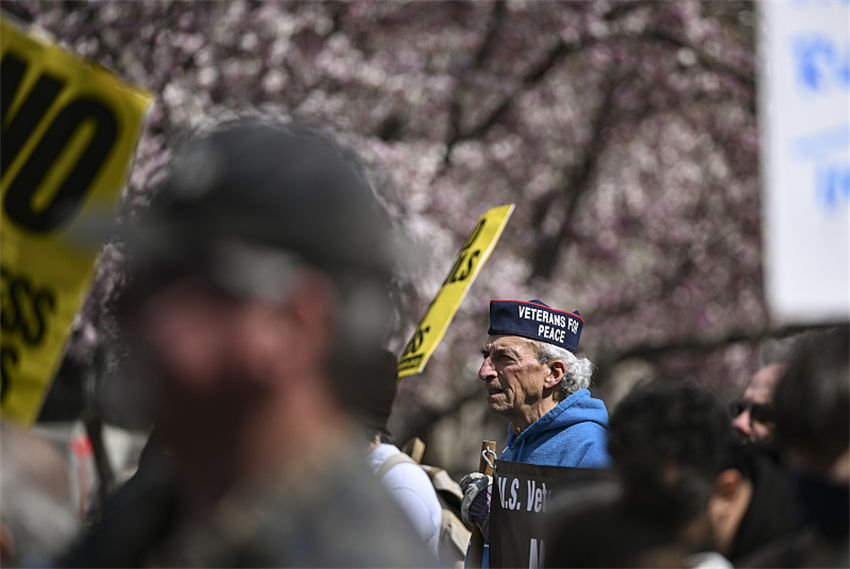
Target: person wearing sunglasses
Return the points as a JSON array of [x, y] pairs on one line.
[[752, 415]]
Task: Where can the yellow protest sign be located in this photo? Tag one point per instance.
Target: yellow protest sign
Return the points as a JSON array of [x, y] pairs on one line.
[[69, 130], [474, 253]]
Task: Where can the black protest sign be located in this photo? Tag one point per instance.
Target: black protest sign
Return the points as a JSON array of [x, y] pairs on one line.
[[522, 496]]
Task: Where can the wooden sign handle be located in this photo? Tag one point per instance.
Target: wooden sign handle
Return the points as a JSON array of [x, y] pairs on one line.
[[476, 547]]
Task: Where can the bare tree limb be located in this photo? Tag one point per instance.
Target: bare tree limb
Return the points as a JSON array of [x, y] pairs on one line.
[[536, 74], [494, 25], [485, 48], [747, 77], [653, 350], [561, 50], [623, 8], [576, 182]]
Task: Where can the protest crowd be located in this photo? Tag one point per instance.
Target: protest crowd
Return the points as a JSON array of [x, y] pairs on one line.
[[252, 326], [259, 337]]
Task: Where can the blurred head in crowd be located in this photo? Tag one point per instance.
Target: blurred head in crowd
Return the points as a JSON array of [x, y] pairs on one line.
[[604, 534], [812, 405], [375, 402], [753, 413], [673, 448], [530, 362], [37, 520], [257, 290]]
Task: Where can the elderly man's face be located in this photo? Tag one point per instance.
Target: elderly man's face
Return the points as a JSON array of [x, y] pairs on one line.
[[514, 379]]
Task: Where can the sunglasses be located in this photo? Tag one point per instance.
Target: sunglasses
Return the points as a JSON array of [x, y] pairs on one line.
[[758, 411]]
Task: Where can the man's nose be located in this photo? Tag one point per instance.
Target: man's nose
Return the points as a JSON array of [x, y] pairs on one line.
[[486, 371], [741, 423]]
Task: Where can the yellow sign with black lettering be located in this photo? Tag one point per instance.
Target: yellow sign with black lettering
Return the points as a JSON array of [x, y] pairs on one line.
[[474, 253], [69, 130]]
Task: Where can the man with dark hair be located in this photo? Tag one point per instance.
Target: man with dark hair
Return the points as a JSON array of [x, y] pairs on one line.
[[669, 441], [812, 405], [399, 474], [680, 466], [812, 410], [257, 296], [752, 415]]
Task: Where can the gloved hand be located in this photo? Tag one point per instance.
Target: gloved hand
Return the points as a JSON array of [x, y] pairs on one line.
[[475, 506]]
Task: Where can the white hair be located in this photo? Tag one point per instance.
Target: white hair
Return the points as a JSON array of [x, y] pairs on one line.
[[578, 369]]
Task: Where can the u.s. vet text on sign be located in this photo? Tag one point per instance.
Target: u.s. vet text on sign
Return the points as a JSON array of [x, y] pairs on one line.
[[528, 499]]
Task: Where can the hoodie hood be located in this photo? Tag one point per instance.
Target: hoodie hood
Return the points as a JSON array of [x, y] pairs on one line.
[[574, 433]]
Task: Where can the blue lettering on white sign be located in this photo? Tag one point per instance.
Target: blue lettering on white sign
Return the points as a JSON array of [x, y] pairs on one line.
[[822, 63], [828, 151], [823, 142], [833, 184]]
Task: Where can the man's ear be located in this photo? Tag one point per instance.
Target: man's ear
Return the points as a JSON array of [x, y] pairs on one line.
[[557, 370]]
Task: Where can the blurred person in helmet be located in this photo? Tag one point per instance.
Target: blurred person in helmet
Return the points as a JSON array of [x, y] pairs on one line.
[[257, 294]]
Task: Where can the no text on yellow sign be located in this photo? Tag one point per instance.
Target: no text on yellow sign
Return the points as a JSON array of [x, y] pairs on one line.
[[69, 130], [468, 263]]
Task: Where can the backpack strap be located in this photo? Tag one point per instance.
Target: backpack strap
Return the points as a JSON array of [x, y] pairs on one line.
[[392, 461]]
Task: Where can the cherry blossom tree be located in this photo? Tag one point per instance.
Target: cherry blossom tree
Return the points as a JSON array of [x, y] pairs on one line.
[[624, 132]]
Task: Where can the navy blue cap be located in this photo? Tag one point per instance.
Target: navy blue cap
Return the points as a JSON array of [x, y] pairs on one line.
[[534, 319]]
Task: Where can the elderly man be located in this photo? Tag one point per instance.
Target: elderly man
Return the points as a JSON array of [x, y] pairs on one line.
[[683, 472], [535, 380]]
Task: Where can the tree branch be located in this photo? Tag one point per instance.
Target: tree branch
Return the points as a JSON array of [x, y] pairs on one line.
[[747, 77], [494, 25], [529, 80], [485, 48], [707, 344], [623, 8], [577, 182]]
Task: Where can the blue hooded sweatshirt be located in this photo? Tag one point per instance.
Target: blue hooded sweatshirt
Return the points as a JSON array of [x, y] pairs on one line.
[[574, 433]]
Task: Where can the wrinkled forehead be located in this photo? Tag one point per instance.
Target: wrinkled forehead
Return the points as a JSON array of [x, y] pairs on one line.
[[518, 344]]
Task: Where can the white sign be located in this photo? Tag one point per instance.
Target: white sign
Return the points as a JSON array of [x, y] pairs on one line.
[[804, 99]]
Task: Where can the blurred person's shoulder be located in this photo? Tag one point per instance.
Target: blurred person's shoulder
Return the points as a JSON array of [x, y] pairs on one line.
[[334, 515]]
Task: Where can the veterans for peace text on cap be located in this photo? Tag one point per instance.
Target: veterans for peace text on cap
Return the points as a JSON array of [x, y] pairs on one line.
[[536, 320]]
